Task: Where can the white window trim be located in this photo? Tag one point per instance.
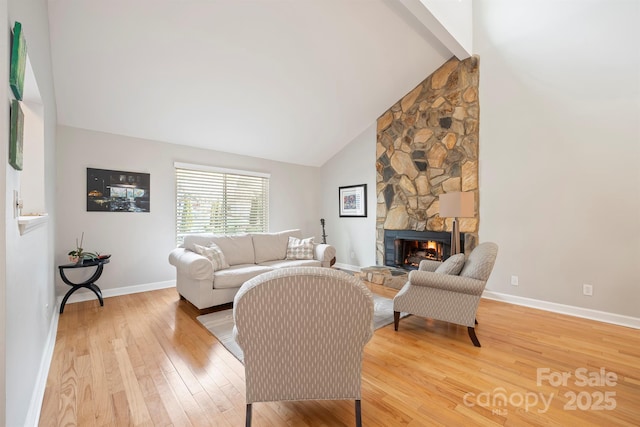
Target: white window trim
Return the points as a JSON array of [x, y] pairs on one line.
[[216, 169]]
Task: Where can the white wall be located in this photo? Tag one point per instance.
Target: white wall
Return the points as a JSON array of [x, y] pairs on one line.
[[140, 242], [354, 238], [4, 206], [29, 271], [560, 149]]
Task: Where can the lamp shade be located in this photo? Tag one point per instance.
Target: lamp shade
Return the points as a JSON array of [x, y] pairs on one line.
[[456, 205]]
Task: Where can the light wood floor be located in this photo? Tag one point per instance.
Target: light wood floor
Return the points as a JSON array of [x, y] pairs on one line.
[[144, 359]]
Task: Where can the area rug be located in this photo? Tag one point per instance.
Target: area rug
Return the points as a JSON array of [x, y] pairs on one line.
[[220, 323]]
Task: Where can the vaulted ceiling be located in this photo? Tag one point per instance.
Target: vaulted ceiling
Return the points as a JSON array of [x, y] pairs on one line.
[[287, 80]]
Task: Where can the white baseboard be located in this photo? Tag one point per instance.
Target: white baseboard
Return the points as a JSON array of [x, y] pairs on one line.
[[35, 406], [586, 313], [86, 295], [347, 267]]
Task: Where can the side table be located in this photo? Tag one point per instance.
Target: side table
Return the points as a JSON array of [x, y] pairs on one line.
[[88, 284]]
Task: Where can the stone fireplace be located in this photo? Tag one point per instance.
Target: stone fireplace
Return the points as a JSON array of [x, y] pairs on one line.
[[427, 144]]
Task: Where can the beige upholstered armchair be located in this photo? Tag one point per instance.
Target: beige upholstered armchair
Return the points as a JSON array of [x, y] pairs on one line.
[[303, 331], [448, 291]]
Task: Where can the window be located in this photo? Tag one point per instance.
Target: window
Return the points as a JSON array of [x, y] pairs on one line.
[[220, 201]]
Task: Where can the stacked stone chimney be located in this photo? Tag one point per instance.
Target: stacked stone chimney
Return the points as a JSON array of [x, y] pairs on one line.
[[427, 144]]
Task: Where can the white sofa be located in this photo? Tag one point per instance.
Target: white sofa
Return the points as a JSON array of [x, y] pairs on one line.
[[248, 255]]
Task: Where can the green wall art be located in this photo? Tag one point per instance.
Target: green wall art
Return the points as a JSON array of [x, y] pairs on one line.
[[18, 61], [15, 140]]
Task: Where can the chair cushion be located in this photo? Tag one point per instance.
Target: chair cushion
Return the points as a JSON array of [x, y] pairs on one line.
[[452, 266], [480, 262], [213, 254]]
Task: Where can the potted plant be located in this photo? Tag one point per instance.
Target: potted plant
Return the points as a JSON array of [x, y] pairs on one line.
[[78, 255]]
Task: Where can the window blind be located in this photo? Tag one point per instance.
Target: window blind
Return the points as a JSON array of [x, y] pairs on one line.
[[220, 201]]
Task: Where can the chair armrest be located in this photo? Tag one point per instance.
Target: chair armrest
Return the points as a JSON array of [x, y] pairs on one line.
[[429, 265], [324, 253], [191, 264], [447, 282]]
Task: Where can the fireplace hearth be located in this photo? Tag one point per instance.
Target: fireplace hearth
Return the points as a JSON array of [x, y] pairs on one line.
[[406, 248]]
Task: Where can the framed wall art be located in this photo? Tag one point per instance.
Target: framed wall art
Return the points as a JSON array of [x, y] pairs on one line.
[[353, 200], [16, 135], [118, 191], [18, 61]]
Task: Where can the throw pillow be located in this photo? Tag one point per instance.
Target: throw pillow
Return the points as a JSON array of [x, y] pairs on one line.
[[214, 254], [300, 248], [453, 265]]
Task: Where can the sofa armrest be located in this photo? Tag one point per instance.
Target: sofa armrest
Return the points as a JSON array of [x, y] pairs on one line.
[[447, 282], [191, 264], [429, 265], [324, 253]]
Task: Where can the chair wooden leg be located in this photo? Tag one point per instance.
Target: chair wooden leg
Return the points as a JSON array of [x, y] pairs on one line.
[[396, 319], [358, 414], [248, 416], [472, 335]]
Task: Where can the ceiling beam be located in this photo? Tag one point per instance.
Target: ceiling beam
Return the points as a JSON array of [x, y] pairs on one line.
[[456, 38]]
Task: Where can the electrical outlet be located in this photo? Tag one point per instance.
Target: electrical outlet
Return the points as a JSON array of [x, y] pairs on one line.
[[514, 280], [587, 290]]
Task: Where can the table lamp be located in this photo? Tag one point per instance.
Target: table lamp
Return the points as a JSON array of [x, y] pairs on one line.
[[456, 205]]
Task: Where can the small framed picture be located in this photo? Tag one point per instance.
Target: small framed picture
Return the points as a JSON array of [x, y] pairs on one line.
[[353, 200]]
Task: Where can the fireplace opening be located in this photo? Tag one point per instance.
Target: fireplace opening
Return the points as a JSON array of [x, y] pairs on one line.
[[406, 248], [409, 253]]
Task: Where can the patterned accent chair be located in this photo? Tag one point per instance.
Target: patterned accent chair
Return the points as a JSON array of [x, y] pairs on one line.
[[451, 298], [303, 332]]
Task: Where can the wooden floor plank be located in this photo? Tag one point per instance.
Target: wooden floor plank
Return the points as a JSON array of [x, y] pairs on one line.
[[135, 398], [144, 359]]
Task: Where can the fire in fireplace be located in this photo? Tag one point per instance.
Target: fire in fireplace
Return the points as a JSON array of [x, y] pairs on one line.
[[406, 248], [411, 252]]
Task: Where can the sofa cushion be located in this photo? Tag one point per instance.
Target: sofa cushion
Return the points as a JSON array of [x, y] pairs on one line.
[[236, 275], [202, 239], [452, 265], [237, 249], [300, 248], [272, 246], [213, 254]]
